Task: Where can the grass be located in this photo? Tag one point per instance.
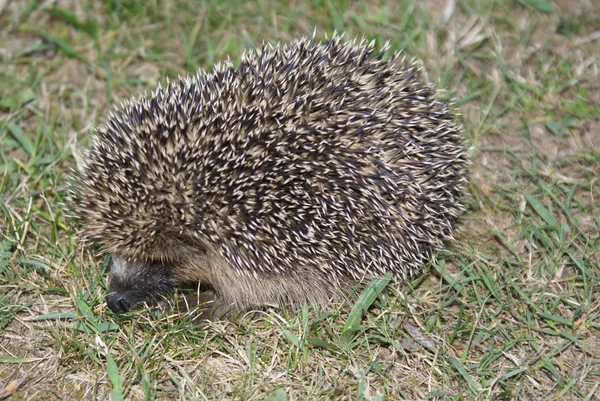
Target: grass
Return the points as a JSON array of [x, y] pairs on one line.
[[510, 310]]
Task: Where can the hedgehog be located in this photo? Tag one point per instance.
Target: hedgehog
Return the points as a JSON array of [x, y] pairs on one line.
[[306, 169]]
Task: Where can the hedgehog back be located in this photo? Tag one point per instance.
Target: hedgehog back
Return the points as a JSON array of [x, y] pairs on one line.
[[320, 156]]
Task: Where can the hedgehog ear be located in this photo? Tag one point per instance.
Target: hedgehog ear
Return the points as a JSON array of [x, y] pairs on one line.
[[80, 154]]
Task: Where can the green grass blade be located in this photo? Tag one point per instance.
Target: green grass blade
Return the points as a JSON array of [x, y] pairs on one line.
[[23, 140]]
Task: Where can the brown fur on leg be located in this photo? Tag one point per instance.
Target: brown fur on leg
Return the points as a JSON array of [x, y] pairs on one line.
[[231, 291], [207, 306]]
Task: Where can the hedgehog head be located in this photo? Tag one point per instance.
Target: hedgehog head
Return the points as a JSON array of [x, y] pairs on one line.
[[135, 283], [133, 201]]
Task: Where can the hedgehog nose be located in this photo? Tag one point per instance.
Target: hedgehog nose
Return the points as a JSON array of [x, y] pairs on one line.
[[117, 303]]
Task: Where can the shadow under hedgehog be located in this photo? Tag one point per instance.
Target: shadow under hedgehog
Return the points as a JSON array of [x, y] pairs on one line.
[[309, 167]]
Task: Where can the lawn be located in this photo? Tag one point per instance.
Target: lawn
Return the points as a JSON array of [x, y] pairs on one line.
[[511, 310]]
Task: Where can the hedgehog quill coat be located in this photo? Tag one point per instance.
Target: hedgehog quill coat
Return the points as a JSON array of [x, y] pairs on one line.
[[309, 166]]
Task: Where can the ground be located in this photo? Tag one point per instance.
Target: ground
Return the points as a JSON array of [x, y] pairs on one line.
[[510, 310]]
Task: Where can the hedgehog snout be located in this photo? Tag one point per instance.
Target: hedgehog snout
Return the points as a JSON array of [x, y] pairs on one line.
[[117, 303]]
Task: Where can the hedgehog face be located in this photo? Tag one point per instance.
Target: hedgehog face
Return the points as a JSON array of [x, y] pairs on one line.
[[133, 284]]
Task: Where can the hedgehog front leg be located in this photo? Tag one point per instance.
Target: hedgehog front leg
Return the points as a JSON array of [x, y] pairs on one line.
[[209, 304], [202, 268]]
